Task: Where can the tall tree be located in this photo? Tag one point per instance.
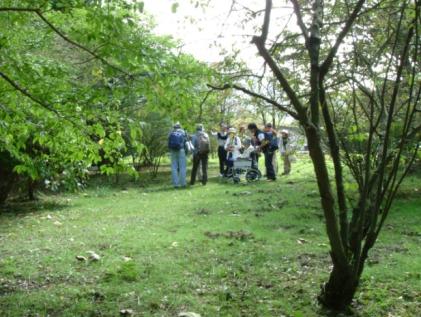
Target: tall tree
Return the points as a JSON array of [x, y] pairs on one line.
[[376, 94]]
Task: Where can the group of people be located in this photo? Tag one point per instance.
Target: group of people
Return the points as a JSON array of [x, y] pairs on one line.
[[231, 146]]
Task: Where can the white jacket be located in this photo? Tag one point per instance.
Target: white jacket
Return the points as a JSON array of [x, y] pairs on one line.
[[236, 144]]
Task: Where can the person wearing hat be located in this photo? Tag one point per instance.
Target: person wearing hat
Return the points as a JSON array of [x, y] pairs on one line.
[[232, 146], [201, 152], [176, 145], [285, 149], [221, 138]]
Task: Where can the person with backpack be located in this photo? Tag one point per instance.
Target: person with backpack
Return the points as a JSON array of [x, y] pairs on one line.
[[201, 152], [272, 146], [176, 145], [221, 138], [264, 143]]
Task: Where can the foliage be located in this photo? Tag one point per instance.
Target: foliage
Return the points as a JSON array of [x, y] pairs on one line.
[[76, 77]]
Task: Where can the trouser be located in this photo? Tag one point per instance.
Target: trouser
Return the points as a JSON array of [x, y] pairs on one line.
[[270, 172], [254, 160], [222, 155], [275, 163], [200, 159], [287, 164], [178, 167], [199, 172], [229, 162]]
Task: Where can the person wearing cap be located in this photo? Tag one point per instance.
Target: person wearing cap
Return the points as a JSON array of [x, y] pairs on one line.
[[285, 149], [221, 138], [201, 152], [232, 146], [176, 144]]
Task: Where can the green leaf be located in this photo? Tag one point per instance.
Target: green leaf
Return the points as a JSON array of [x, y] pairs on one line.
[[174, 7]]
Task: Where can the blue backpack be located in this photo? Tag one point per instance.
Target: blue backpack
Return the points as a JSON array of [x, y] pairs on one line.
[[272, 139], [176, 140]]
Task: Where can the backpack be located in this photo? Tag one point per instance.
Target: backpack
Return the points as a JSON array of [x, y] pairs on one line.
[[203, 143], [272, 141], [176, 140]]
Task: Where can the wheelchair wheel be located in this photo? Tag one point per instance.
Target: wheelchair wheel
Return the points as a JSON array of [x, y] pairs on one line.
[[253, 175], [230, 173]]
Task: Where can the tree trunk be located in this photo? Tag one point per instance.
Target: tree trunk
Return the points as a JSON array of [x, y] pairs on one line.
[[327, 198], [339, 291], [7, 176], [31, 189]]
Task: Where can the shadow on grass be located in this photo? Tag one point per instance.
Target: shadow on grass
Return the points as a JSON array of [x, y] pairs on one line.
[[20, 208], [146, 180]]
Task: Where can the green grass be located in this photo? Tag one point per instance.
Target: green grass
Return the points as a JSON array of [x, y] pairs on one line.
[[219, 250]]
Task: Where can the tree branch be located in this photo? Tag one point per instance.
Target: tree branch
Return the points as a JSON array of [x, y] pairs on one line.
[[10, 9], [256, 95], [324, 68], [27, 94], [266, 21], [65, 37], [297, 10], [259, 41]]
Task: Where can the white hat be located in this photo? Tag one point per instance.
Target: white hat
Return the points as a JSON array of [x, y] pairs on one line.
[[285, 131], [232, 130]]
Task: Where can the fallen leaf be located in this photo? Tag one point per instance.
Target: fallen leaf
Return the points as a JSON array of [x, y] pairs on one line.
[[188, 314], [126, 312], [58, 223], [93, 256], [81, 258], [301, 241], [127, 259]]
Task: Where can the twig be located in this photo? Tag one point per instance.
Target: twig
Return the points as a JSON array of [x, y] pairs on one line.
[[256, 95]]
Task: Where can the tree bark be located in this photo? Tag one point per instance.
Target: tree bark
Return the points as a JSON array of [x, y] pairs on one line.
[[7, 176], [339, 291]]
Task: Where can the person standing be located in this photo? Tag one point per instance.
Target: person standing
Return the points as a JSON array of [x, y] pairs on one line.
[[221, 138], [263, 142], [285, 149], [201, 145], [269, 147], [257, 137], [176, 144]]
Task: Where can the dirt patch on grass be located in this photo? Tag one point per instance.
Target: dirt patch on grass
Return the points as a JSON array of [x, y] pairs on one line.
[[236, 235]]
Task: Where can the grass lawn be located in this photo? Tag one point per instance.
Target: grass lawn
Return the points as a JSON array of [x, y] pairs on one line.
[[218, 250]]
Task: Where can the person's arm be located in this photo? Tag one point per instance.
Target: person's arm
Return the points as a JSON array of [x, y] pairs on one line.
[[194, 141], [247, 152], [226, 146]]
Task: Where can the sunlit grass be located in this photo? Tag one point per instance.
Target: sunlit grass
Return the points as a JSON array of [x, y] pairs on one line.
[[218, 250]]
